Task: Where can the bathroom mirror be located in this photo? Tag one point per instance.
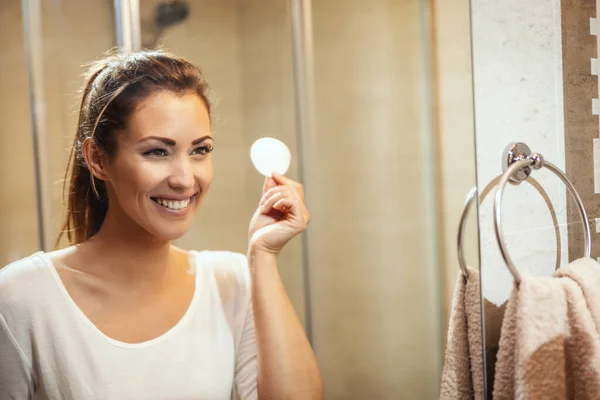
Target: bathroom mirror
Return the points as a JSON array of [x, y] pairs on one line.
[[534, 68], [374, 101]]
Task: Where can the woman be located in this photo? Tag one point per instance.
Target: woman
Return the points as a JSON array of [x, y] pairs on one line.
[[124, 314]]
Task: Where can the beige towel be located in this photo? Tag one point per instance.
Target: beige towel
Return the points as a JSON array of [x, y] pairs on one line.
[[462, 377], [584, 347], [586, 273], [549, 345], [494, 315]]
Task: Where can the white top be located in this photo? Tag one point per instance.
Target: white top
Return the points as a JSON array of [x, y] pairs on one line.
[[49, 349]]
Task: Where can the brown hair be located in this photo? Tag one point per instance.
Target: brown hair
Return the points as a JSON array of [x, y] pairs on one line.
[[114, 87]]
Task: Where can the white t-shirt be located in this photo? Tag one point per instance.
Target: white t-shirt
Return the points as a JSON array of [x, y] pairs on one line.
[[49, 349]]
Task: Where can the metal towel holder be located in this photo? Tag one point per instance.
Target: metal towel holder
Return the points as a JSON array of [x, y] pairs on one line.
[[471, 196], [517, 164]]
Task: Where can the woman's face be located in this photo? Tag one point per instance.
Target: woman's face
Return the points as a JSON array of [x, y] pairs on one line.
[[163, 167]]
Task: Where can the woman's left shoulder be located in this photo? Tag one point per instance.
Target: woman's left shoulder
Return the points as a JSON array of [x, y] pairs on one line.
[[228, 266], [227, 275]]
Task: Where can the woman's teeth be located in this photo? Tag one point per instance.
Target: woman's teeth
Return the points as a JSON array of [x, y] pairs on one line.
[[173, 205]]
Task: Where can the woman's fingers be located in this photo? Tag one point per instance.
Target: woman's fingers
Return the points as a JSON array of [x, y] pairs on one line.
[[298, 191], [278, 189], [284, 180], [268, 203], [283, 195], [268, 184], [293, 206], [287, 205]]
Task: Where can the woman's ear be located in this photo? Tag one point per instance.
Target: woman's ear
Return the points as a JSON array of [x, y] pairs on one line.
[[95, 159]]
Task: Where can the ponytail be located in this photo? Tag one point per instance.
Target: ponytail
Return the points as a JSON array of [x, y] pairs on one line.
[[85, 210]]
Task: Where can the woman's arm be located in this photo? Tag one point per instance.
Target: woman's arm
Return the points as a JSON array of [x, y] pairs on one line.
[[287, 368]]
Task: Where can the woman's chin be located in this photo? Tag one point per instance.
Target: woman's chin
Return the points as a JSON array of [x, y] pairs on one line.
[[170, 233]]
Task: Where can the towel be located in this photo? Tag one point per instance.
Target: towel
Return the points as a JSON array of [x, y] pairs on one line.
[[462, 377], [493, 315], [586, 273], [549, 345], [584, 374]]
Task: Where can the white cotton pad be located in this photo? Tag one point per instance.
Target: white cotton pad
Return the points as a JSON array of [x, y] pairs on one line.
[[269, 154]]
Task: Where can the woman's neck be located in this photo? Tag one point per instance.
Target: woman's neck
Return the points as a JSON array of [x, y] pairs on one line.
[[128, 252]]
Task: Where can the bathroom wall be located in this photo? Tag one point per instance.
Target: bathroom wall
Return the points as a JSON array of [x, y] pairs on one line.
[[75, 33], [19, 228], [374, 277], [582, 139], [454, 128], [518, 82], [71, 38], [535, 69]]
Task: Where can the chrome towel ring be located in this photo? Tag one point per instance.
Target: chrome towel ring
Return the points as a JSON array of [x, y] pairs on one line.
[[469, 200], [517, 163]]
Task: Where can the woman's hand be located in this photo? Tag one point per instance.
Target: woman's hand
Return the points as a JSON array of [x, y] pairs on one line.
[[280, 216]]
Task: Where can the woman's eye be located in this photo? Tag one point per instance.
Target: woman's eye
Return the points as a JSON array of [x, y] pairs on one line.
[[156, 153], [203, 150]]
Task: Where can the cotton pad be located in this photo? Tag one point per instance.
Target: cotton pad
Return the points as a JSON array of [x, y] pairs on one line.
[[269, 154]]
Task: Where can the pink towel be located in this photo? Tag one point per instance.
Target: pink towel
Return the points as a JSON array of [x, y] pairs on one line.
[[549, 345], [462, 377]]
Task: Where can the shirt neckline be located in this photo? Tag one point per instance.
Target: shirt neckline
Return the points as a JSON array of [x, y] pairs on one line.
[[154, 341]]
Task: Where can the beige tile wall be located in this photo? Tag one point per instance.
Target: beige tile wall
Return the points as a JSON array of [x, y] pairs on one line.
[[18, 227], [582, 139], [70, 39], [75, 33], [374, 285]]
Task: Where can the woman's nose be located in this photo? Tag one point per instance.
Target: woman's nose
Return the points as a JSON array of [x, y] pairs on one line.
[[182, 174]]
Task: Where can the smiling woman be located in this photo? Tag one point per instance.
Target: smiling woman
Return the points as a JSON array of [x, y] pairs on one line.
[[159, 181], [124, 314], [145, 95]]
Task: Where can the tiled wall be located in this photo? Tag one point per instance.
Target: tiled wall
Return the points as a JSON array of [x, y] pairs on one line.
[[582, 140], [518, 93], [375, 289], [65, 49], [64, 52], [518, 78], [19, 229]]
